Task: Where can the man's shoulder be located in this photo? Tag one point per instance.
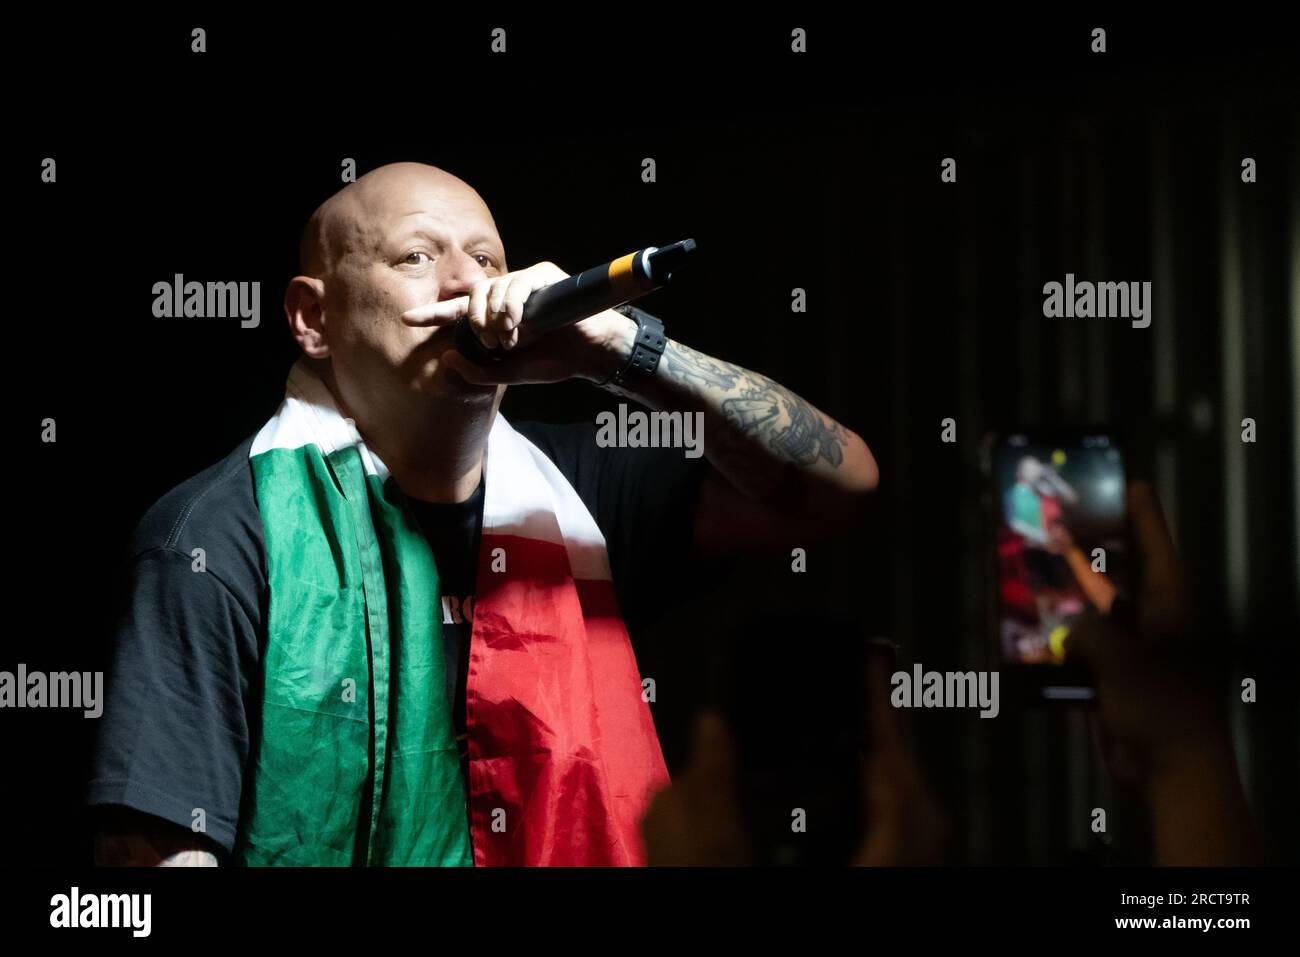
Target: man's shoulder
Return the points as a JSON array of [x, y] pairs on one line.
[[214, 510]]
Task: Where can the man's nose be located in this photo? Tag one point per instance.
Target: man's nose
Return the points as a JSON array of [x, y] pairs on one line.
[[462, 272]]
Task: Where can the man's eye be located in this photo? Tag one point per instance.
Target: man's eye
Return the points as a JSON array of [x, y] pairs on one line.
[[413, 257], [487, 264]]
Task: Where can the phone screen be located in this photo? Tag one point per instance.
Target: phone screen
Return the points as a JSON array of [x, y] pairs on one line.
[[1061, 540]]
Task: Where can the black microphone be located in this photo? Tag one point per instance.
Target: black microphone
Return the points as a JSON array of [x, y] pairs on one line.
[[581, 295]]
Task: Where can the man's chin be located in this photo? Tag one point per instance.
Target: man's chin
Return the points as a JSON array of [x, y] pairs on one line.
[[447, 382]]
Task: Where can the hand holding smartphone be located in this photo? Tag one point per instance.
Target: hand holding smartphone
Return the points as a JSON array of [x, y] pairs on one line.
[[1059, 550]]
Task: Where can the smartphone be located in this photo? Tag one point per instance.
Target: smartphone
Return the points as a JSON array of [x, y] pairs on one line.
[[1059, 549]]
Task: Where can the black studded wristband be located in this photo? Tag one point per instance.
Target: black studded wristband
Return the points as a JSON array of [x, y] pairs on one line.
[[646, 350]]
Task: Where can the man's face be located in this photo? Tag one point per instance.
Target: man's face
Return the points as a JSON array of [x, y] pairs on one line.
[[408, 236]]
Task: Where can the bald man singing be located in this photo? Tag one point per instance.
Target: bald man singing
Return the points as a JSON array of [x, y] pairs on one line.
[[404, 639]]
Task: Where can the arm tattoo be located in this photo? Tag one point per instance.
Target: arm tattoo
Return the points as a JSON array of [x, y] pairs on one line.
[[687, 365], [803, 435], [804, 438]]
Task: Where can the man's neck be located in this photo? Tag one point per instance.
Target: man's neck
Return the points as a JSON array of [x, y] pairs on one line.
[[445, 466], [433, 449]]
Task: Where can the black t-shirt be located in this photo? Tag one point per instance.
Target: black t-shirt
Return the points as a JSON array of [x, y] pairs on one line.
[[184, 679], [453, 531]]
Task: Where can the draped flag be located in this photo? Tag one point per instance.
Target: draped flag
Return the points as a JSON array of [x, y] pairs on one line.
[[355, 759]]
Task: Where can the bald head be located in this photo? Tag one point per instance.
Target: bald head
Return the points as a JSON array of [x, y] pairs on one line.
[[402, 236], [357, 217]]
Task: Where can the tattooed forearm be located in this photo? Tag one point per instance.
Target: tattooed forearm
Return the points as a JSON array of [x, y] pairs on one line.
[[758, 407], [780, 469], [688, 366], [801, 435]]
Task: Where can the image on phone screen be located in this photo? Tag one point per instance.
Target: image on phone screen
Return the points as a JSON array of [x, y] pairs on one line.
[[1061, 540]]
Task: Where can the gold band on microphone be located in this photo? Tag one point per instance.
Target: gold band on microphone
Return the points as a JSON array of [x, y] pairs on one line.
[[622, 276]]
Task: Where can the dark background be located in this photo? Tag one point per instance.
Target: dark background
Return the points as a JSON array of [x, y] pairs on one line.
[[821, 172]]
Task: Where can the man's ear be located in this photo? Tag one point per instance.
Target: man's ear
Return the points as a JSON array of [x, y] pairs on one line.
[[304, 306]]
